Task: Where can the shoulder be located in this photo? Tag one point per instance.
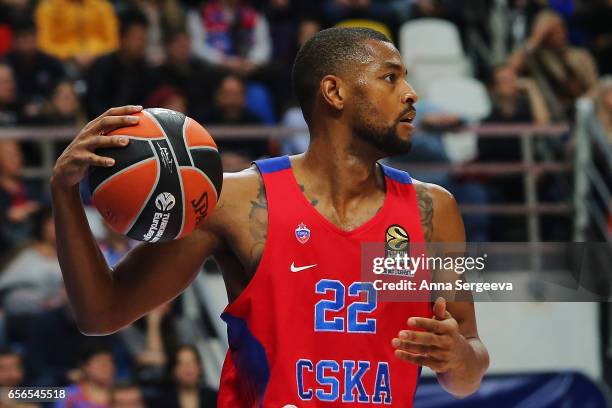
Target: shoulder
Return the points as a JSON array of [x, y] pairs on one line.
[[440, 215], [440, 198], [238, 185], [239, 189]]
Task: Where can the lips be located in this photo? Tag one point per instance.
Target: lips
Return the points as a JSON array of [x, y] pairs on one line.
[[409, 117]]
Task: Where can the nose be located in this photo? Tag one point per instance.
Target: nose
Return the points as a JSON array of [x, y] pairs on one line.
[[410, 97]]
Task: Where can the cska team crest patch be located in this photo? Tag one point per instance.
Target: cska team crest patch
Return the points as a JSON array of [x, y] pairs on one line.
[[302, 233]]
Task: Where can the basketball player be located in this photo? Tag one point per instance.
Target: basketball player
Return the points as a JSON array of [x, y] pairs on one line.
[[303, 330]]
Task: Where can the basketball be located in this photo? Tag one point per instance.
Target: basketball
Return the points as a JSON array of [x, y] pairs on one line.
[[164, 183]]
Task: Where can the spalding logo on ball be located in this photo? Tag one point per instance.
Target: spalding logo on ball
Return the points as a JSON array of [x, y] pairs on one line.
[[164, 183]]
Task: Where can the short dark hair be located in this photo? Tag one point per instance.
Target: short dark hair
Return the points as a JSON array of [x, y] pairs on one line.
[[174, 357], [91, 348], [7, 351], [330, 51], [131, 17], [24, 24]]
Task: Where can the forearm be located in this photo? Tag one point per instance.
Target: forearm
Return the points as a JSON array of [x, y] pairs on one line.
[[537, 102], [87, 277], [465, 380]]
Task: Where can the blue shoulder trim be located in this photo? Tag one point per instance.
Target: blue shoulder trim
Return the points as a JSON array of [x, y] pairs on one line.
[[273, 164], [397, 175]]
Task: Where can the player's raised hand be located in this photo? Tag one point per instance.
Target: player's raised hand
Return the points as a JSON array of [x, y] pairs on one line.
[[439, 345], [72, 165]]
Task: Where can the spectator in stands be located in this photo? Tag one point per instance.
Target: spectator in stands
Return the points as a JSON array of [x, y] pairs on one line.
[[230, 109], [516, 100], [230, 104], [164, 17], [32, 281], [513, 100], [563, 73], [127, 395], [77, 30], [123, 77], [10, 12], [167, 97], [53, 346], [187, 390], [231, 34], [36, 73], [64, 108], [11, 108], [95, 379], [150, 341], [452, 10], [192, 77], [6, 19], [390, 13], [11, 368], [18, 200], [519, 101], [235, 38]]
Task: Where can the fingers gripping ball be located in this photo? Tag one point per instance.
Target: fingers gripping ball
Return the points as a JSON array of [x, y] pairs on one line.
[[164, 183]]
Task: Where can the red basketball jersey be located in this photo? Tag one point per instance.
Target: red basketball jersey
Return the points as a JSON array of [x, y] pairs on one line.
[[306, 331]]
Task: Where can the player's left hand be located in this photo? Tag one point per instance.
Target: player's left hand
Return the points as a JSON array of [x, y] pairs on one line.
[[440, 346]]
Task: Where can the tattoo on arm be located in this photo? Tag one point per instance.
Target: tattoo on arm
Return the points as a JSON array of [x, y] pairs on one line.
[[426, 211], [258, 224], [313, 202]]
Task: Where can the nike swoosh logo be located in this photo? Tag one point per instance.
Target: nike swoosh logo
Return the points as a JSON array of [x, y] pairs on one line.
[[300, 268]]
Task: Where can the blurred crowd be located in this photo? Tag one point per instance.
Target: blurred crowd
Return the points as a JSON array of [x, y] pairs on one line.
[[228, 62]]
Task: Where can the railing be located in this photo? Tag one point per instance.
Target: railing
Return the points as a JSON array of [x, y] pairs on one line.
[[591, 191], [528, 167]]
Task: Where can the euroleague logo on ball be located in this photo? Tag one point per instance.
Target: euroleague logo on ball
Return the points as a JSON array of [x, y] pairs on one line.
[[165, 202]]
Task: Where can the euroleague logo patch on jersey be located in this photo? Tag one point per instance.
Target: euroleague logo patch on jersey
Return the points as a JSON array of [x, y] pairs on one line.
[[397, 238], [302, 233], [397, 244]]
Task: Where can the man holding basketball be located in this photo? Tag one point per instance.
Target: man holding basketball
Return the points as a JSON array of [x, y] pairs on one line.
[[303, 329]]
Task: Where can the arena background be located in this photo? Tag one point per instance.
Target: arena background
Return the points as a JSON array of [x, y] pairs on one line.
[[514, 118]]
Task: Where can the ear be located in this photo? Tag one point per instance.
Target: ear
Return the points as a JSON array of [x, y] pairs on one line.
[[333, 91]]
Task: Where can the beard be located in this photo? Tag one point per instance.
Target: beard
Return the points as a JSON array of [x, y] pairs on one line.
[[379, 135]]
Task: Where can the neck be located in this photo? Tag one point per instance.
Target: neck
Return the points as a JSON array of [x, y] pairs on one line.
[[97, 392], [188, 389], [343, 168]]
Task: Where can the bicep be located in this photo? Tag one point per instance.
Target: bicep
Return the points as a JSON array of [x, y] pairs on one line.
[[449, 234], [152, 274]]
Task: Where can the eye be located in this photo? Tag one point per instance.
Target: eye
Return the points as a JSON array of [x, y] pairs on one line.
[[390, 78]]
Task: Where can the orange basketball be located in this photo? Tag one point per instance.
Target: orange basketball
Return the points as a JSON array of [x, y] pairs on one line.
[[164, 183]]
